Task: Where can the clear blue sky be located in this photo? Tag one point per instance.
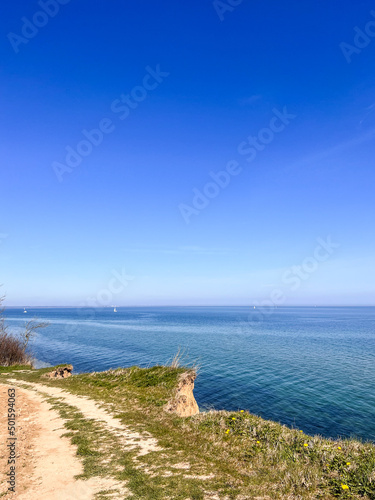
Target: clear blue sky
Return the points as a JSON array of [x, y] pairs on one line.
[[221, 74]]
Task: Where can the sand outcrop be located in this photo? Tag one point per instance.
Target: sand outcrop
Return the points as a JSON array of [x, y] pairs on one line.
[[60, 372], [183, 402]]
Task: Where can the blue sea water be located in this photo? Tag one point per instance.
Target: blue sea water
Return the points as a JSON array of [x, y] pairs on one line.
[[308, 367]]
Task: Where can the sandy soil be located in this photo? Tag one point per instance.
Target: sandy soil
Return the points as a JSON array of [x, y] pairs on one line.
[[46, 462]]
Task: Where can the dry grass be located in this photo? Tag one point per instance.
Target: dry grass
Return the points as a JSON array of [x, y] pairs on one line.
[[177, 359], [180, 359]]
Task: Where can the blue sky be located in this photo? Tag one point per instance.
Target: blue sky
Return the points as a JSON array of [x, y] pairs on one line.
[[220, 76]]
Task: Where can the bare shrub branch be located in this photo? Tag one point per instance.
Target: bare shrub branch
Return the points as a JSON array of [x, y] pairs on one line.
[[13, 348]]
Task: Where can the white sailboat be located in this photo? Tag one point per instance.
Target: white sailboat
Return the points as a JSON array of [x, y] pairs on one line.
[[115, 310], [24, 310]]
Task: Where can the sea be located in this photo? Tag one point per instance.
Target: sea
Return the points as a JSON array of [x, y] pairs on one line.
[[311, 368]]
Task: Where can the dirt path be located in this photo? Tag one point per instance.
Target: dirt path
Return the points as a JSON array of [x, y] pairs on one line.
[[144, 443], [47, 462]]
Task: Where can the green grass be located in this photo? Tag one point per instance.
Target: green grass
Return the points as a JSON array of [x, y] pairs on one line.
[[245, 454], [8, 369]]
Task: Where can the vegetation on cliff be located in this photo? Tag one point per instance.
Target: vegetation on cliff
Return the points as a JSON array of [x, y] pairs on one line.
[[233, 455]]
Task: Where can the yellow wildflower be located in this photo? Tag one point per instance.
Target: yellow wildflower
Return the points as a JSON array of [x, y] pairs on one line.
[[242, 411], [339, 447], [347, 463], [344, 486], [305, 444], [233, 418], [258, 442]]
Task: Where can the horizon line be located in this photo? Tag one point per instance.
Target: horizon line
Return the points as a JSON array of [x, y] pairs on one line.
[[186, 305]]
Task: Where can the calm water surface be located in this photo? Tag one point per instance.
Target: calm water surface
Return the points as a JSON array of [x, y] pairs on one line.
[[313, 368]]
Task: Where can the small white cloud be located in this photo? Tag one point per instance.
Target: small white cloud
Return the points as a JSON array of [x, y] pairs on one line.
[[339, 148], [190, 249], [368, 117], [251, 100]]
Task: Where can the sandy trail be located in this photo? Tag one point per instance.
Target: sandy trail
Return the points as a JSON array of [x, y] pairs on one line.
[[144, 443], [47, 462]]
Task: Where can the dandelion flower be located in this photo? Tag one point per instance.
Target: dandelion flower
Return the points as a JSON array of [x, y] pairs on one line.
[[258, 442], [242, 411], [227, 431], [301, 431], [347, 463], [233, 418], [344, 486], [305, 444], [339, 447]]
